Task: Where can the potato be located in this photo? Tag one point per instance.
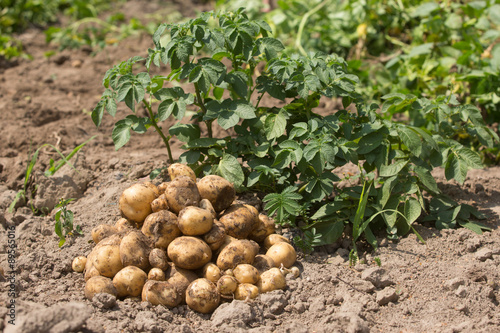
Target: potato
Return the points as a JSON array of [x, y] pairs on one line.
[[245, 273], [90, 272], [107, 260], [156, 274], [202, 296], [195, 221], [158, 259], [239, 221], [227, 285], [103, 231], [135, 248], [177, 169], [159, 203], [282, 253], [182, 192], [271, 280], [239, 251], [161, 228], [264, 228], [79, 264], [206, 204], [272, 239], [153, 187], [162, 187], [215, 236], [246, 291], [129, 281], [263, 263], [211, 272], [189, 252], [97, 285], [160, 292], [181, 278], [123, 225], [219, 191], [135, 202]]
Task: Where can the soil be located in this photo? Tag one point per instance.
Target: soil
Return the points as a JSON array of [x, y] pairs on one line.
[[448, 284]]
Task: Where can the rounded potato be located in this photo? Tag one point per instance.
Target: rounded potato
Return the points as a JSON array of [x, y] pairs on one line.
[[156, 274], [107, 260], [219, 191], [194, 221], [99, 284], [206, 204], [135, 202], [245, 273], [160, 292], [135, 248], [182, 192], [265, 227], [202, 296], [158, 259], [271, 280], [159, 204], [181, 278], [161, 228], [123, 225], [282, 253], [189, 252], [227, 285], [263, 263], [79, 263], [162, 187], [178, 169], [90, 271], [246, 291], [239, 251], [129, 281], [103, 231], [215, 236], [239, 220], [272, 239], [211, 272]]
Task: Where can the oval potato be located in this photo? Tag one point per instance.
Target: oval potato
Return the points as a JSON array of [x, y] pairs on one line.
[[129, 281], [161, 228], [282, 253], [202, 296], [135, 248], [182, 192], [160, 292], [103, 231], [195, 221], [99, 284], [189, 252], [271, 280], [219, 191], [272, 239], [239, 251], [135, 202], [265, 227], [239, 221], [107, 260], [178, 169]]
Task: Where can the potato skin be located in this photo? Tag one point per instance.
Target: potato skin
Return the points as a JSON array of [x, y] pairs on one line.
[[219, 191], [239, 251], [282, 253], [129, 281], [160, 292], [271, 280], [195, 221], [245, 273], [79, 263], [182, 192], [263, 263], [239, 221], [107, 260], [202, 296], [211, 272], [272, 239], [159, 203], [215, 236], [124, 225], [158, 259], [181, 278], [178, 169], [99, 284], [246, 291], [227, 285], [189, 252], [135, 202], [156, 274], [206, 204], [103, 231], [161, 228], [265, 227], [135, 248]]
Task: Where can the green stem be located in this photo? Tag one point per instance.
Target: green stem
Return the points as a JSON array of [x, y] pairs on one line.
[[158, 129], [298, 43], [203, 108]]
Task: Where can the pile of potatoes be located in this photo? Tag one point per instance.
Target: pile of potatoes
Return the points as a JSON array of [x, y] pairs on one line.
[[186, 242]]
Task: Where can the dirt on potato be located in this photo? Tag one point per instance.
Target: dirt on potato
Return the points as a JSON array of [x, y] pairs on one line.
[[449, 284]]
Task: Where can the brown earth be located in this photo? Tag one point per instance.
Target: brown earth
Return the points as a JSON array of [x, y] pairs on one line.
[[448, 284]]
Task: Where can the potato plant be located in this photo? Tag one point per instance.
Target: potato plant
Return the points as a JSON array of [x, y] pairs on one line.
[[219, 66], [183, 268]]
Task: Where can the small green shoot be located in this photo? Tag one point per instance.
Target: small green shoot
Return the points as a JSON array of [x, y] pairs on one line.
[[64, 222], [377, 261]]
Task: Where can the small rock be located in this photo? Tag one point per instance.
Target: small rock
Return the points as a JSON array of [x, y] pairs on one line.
[[463, 234], [60, 59], [276, 302], [462, 307], [454, 283], [342, 252], [317, 305], [473, 244], [386, 296], [104, 300], [300, 307], [377, 276], [461, 291], [483, 254], [363, 285], [76, 63], [236, 313]]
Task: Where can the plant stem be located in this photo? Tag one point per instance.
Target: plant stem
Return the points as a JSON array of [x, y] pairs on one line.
[[201, 104], [303, 23], [158, 129]]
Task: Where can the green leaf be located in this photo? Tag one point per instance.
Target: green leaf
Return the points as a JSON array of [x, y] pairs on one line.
[[230, 169], [275, 125], [185, 132], [270, 47], [392, 169], [121, 133], [357, 228], [410, 140], [330, 231], [412, 210], [472, 158], [421, 50], [426, 179], [369, 142], [239, 83]]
